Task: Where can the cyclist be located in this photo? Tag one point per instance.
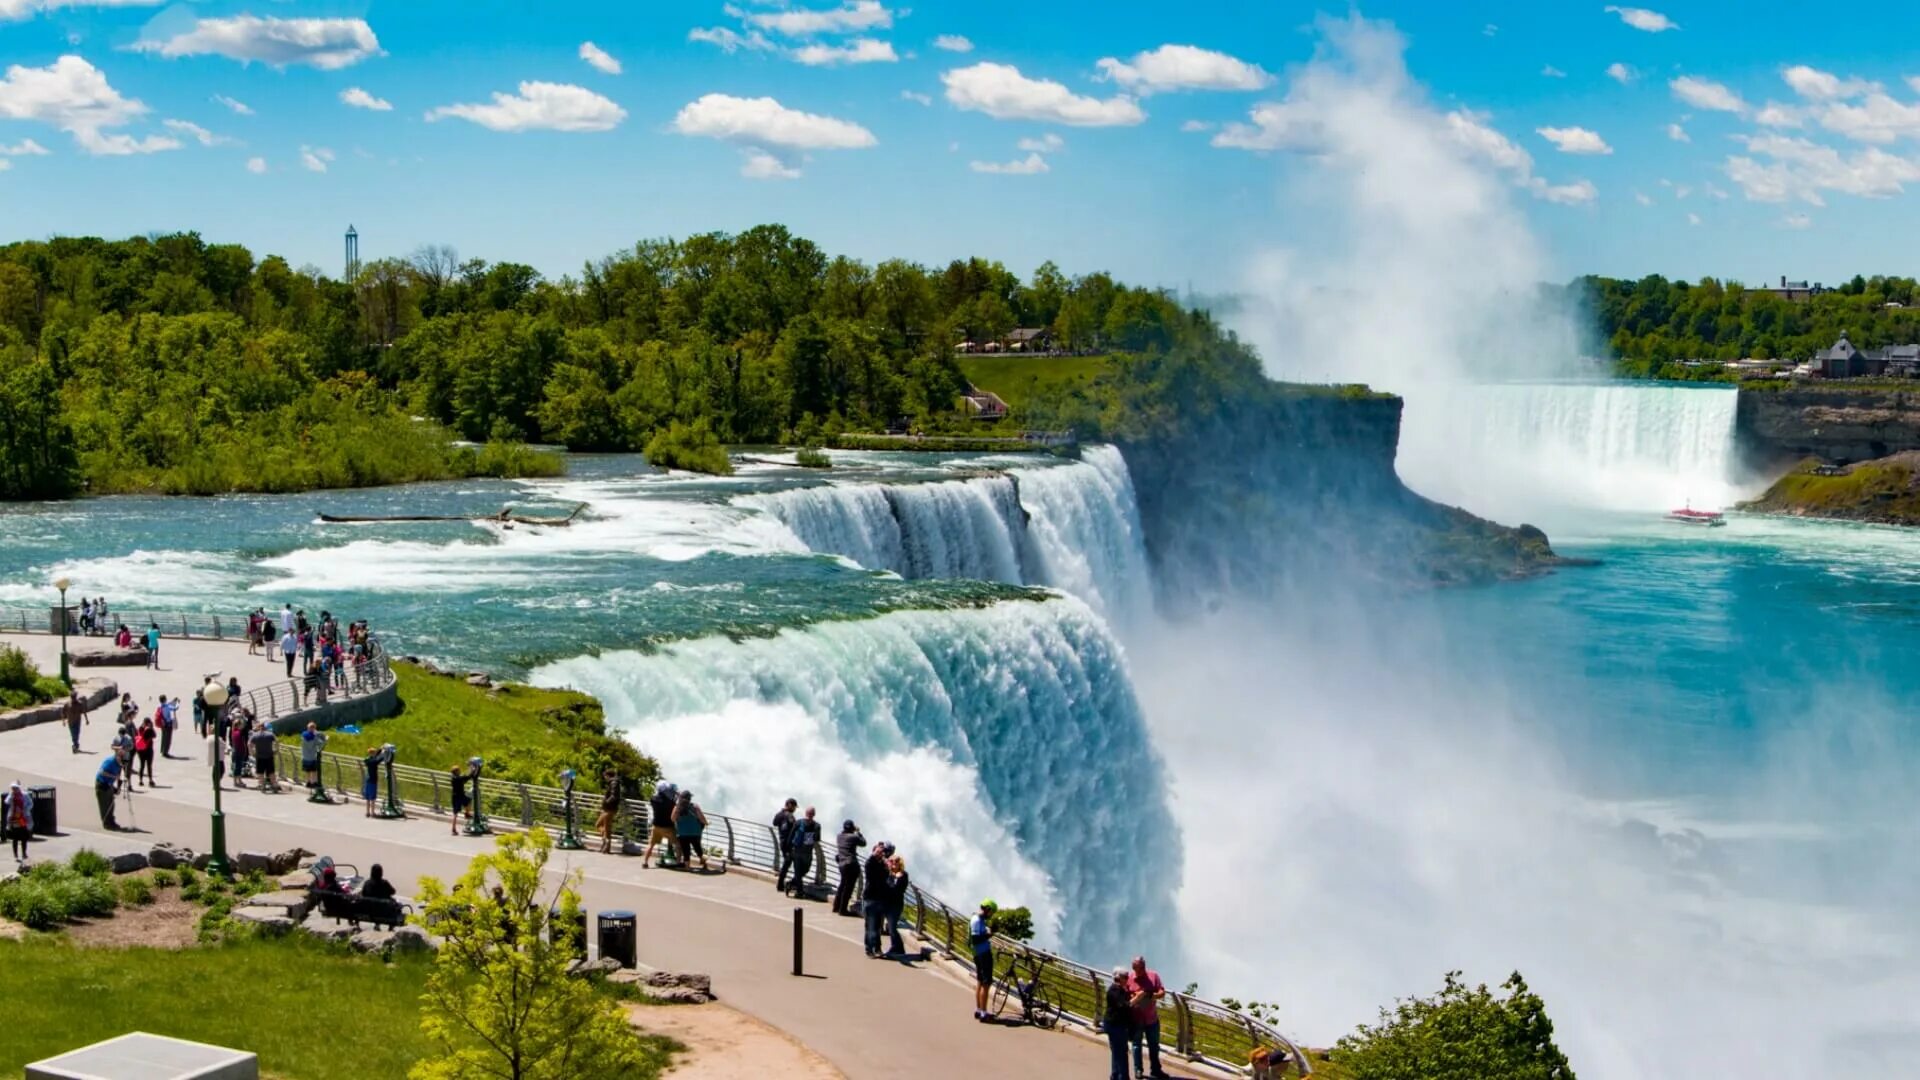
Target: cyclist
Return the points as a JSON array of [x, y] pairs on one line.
[[980, 936]]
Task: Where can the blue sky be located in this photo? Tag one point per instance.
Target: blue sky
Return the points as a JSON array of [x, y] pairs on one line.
[[1801, 128]]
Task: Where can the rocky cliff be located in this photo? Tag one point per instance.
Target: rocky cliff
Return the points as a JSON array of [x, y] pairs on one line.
[[1838, 423], [1885, 491]]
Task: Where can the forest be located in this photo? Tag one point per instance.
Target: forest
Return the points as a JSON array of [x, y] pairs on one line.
[[168, 364]]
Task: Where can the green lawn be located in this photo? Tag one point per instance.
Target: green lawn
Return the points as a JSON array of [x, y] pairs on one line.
[[1018, 379]]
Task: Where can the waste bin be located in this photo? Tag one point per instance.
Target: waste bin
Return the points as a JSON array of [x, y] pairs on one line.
[[576, 931], [46, 817], [619, 937]]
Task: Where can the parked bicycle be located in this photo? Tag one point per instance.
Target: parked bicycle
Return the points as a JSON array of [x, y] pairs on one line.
[[1037, 1005]]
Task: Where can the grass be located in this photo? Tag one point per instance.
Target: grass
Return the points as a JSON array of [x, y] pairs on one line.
[[1872, 491], [1019, 379]]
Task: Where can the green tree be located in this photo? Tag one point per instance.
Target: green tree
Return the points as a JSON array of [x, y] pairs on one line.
[[499, 1001], [1458, 1034]]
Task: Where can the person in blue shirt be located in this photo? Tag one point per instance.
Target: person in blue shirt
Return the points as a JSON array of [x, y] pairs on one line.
[[106, 785], [169, 720], [153, 646], [980, 936]]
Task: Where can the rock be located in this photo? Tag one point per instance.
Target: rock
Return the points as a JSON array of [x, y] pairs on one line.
[[108, 656], [248, 861], [480, 679], [266, 920], [169, 857], [128, 862], [326, 929], [372, 941], [413, 939], [297, 880], [604, 966], [202, 860], [293, 903], [682, 988]]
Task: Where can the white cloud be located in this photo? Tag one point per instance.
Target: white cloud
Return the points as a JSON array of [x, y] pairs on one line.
[[1798, 168], [196, 132], [850, 17], [1713, 192], [1575, 140], [1816, 85], [1552, 72], [1183, 67], [953, 43], [730, 40], [1707, 94], [1000, 91], [1678, 133], [540, 106], [916, 97], [601, 59], [22, 9], [24, 148], [1045, 144], [1641, 19], [328, 44], [856, 51], [1031, 165], [1196, 125], [257, 165], [315, 158], [1877, 118], [764, 122], [1775, 115], [1693, 219], [761, 165], [239, 108], [1643, 198], [1490, 30], [360, 99], [1796, 221], [73, 96], [1622, 73]]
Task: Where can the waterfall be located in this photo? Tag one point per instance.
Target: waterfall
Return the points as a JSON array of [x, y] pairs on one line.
[[1001, 748], [1506, 449], [1084, 531]]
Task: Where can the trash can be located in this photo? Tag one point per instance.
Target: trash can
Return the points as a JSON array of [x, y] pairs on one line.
[[619, 937], [46, 816], [576, 931]]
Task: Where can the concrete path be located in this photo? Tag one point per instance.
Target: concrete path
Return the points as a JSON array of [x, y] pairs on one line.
[[867, 1017], [184, 665]]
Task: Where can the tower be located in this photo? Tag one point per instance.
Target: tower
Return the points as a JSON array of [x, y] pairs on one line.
[[353, 253]]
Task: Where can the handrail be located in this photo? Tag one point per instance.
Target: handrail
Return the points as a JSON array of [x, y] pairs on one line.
[[1198, 1029], [286, 697], [186, 624]]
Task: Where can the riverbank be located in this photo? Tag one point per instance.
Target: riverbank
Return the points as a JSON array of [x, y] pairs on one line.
[[1884, 491]]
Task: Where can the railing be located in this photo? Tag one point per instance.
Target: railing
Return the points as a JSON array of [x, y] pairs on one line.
[[1198, 1029], [290, 696], [41, 620]]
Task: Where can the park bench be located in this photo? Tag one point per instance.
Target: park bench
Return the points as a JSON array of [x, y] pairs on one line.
[[355, 909]]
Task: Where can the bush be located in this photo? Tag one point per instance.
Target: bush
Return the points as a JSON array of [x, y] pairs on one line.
[[136, 891], [34, 902], [692, 447], [1458, 1034], [812, 457], [91, 897], [90, 863], [21, 683], [49, 894], [163, 879], [188, 876]]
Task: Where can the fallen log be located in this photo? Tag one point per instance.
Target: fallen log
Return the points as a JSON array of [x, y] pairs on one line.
[[506, 514]]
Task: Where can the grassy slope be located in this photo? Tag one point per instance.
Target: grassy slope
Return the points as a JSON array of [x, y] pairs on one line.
[[1881, 490], [1018, 379]]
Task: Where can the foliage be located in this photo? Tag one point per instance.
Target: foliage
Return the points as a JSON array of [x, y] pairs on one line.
[[1886, 490], [812, 457], [1012, 922], [21, 683], [90, 862], [136, 891], [692, 447], [1458, 1034], [1020, 379], [499, 1001], [50, 893], [165, 879]]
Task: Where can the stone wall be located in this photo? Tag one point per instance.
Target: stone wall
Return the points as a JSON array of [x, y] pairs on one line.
[[378, 705], [93, 694], [1836, 423]]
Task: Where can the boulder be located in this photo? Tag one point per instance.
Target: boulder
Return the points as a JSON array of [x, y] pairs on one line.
[[413, 939], [248, 861], [128, 862], [292, 903], [678, 987], [372, 941], [480, 679], [327, 929], [285, 862], [604, 966], [169, 857], [265, 920], [202, 860]]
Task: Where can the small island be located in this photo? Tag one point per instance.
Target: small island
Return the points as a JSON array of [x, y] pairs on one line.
[[1883, 491]]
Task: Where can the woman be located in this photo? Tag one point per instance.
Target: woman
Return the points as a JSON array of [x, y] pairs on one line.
[[237, 743], [897, 882], [16, 820], [460, 803], [1117, 1019], [370, 787], [143, 741], [689, 822], [377, 887]]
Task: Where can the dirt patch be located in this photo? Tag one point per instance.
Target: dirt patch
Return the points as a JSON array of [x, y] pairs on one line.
[[167, 923], [726, 1044]]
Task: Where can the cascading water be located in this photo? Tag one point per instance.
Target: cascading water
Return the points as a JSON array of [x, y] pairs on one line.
[[1001, 748]]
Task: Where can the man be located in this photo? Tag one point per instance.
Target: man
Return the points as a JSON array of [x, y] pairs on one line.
[[76, 714], [262, 743], [873, 895], [609, 808], [660, 821], [153, 646], [286, 623], [783, 840], [169, 720], [846, 856], [106, 787], [980, 936], [289, 646], [312, 742], [1147, 992], [806, 844]]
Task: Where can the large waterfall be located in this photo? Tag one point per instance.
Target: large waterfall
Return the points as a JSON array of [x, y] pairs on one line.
[[1001, 748], [1506, 449]]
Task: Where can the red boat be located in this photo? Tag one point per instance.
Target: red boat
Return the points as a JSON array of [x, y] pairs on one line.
[[1709, 519]]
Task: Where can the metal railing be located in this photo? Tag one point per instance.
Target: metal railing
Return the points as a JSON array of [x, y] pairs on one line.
[[42, 620], [1195, 1028], [289, 696]]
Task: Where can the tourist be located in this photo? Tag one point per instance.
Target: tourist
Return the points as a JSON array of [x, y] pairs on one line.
[[846, 856], [289, 646], [128, 710], [143, 741], [122, 750], [609, 808], [76, 713], [169, 721], [253, 632], [980, 937], [123, 637], [897, 884], [806, 846], [689, 824], [200, 712], [16, 820], [377, 887], [329, 880], [262, 741], [106, 786], [306, 645], [312, 742], [286, 622], [783, 843], [153, 646], [1147, 993], [1270, 1062], [660, 821], [237, 744], [458, 779], [873, 895], [313, 683], [370, 784], [86, 615], [1117, 1018]]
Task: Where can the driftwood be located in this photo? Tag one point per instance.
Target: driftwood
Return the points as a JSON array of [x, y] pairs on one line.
[[506, 515]]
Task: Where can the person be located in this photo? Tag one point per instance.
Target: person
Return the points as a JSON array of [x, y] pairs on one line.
[[377, 887], [169, 720], [122, 750], [106, 787], [237, 745], [370, 785], [143, 740], [286, 626], [86, 615], [16, 820], [980, 937], [314, 683], [897, 884], [200, 712], [123, 637], [1117, 1019], [609, 808], [806, 844], [262, 742], [846, 856], [289, 646], [459, 781], [306, 646], [689, 822], [329, 880], [312, 742], [1269, 1062], [76, 712], [153, 646], [873, 895], [783, 840], [1147, 993], [660, 817]]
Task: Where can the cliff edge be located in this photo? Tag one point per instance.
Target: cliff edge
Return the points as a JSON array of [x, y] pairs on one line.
[[1843, 423], [1885, 491]]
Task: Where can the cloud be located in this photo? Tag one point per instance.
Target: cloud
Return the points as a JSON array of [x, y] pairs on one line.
[[764, 122], [1000, 91], [1622, 73], [1713, 192], [1642, 19], [600, 58], [73, 96], [1800, 169], [1490, 30], [315, 158], [1552, 72], [257, 165], [540, 106], [1031, 165], [196, 132], [953, 43], [916, 97], [1796, 221], [1196, 125], [1707, 94], [360, 99], [1045, 144], [1575, 140], [1693, 219], [1773, 114], [22, 9], [1678, 133], [239, 108], [730, 41], [1643, 198], [857, 51], [328, 44], [1816, 85], [1183, 67], [24, 148], [1877, 118], [761, 165], [848, 18]]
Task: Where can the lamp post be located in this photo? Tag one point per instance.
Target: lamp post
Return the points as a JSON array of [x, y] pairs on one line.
[[214, 695], [65, 670]]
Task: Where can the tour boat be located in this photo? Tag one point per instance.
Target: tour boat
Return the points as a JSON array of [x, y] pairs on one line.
[[1709, 519]]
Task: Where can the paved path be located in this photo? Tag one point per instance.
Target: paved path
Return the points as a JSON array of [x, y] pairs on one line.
[[868, 1017], [184, 665]]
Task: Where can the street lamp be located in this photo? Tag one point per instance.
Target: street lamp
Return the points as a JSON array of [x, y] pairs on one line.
[[214, 695], [65, 676]]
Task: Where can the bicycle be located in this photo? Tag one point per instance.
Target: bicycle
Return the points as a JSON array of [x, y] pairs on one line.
[[1037, 1006]]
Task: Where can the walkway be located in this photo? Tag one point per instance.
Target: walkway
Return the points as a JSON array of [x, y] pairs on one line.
[[867, 1017]]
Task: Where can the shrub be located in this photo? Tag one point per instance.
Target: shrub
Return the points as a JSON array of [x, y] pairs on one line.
[[35, 902], [91, 897], [90, 863], [692, 447], [1458, 1033], [136, 891], [163, 879], [812, 457], [188, 876], [21, 683]]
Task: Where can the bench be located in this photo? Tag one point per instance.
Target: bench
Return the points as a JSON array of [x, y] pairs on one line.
[[355, 909]]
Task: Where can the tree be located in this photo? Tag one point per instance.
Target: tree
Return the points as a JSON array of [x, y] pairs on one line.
[[499, 1001], [1458, 1034]]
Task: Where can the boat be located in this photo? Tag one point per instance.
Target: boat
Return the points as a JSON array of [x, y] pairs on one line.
[[1707, 519]]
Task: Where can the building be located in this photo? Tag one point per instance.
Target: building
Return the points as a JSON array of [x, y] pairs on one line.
[[353, 253], [1844, 361], [1797, 292], [1029, 339]]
